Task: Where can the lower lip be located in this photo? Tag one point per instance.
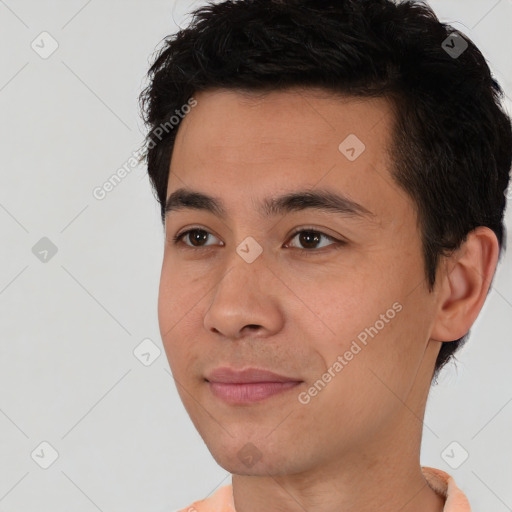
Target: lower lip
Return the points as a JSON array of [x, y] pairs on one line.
[[249, 392]]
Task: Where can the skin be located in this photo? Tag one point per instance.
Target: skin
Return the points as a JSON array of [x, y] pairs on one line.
[[355, 446]]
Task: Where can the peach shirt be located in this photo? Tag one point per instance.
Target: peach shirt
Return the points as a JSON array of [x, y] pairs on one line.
[[440, 481]]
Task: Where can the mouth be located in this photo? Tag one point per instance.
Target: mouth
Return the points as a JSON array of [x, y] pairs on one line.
[[248, 385]]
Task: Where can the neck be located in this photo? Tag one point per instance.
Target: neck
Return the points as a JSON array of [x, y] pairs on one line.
[[353, 485]]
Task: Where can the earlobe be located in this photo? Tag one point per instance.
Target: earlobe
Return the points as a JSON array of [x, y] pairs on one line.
[[465, 282]]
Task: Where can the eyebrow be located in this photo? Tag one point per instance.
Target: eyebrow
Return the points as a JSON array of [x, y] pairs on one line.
[[323, 200]]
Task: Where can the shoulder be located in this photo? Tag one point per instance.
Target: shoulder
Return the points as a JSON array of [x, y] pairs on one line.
[[444, 484], [220, 501]]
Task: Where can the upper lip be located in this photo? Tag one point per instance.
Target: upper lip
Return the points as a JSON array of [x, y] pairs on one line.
[[247, 375]]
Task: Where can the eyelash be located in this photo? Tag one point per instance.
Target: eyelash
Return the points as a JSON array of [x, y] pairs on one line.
[[177, 239]]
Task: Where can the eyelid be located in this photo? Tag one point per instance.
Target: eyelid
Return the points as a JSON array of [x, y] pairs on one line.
[[314, 230]]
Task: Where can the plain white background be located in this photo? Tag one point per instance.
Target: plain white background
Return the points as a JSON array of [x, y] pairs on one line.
[[69, 325]]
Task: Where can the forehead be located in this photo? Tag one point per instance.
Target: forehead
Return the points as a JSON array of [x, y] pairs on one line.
[[236, 144], [227, 119]]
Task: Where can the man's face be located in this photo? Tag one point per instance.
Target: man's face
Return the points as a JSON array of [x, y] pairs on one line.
[[348, 316]]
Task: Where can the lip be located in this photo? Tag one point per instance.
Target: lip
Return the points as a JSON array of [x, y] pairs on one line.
[[248, 385], [228, 375]]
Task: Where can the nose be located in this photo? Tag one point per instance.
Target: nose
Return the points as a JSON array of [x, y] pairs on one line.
[[245, 302]]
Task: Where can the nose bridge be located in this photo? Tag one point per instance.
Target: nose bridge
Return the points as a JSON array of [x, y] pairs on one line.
[[245, 270], [247, 256], [240, 298]]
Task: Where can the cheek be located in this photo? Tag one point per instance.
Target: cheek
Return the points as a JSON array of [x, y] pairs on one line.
[[178, 295], [339, 306], [366, 370], [367, 319], [176, 305], [167, 302]]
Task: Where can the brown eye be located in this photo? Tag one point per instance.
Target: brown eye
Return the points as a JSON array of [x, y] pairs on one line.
[[195, 236], [309, 239]]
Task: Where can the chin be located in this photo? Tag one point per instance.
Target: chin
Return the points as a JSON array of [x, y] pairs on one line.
[[249, 458]]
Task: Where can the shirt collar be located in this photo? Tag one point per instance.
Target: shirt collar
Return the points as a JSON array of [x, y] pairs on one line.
[[441, 482]]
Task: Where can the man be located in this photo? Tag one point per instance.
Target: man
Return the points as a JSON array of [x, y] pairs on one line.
[[332, 177]]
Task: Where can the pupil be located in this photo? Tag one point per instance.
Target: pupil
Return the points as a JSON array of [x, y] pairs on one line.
[[198, 235], [307, 236]]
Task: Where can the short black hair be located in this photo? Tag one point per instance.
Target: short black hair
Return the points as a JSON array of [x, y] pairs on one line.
[[451, 143]]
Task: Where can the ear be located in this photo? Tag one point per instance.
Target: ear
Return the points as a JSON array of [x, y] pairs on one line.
[[464, 284]]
